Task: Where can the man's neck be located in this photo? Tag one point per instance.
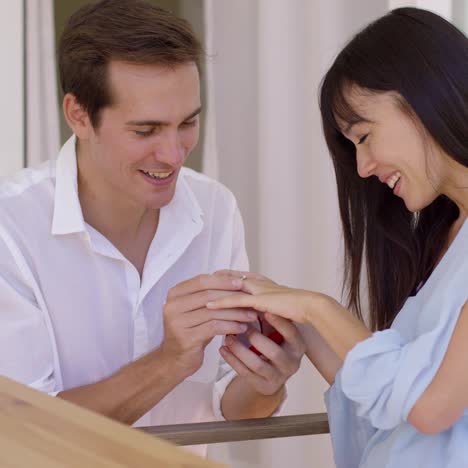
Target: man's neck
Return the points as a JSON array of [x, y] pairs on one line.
[[129, 227]]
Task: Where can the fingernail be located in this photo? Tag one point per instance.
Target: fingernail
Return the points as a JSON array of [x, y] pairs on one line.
[[229, 340], [252, 315], [237, 283]]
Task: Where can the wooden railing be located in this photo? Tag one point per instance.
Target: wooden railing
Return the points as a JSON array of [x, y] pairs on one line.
[[247, 429]]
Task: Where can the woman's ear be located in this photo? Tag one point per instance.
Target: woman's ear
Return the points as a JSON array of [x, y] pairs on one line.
[[76, 117]]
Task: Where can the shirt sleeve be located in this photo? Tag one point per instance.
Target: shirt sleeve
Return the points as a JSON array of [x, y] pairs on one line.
[[349, 432], [25, 344], [386, 374], [226, 374]]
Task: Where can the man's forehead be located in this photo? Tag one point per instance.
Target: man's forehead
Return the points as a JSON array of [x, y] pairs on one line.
[[120, 68], [154, 123], [138, 85]]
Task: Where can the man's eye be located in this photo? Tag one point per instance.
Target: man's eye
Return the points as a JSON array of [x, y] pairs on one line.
[[362, 139], [190, 123], [144, 133]]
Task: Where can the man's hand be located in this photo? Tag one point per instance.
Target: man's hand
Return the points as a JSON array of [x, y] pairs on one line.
[[189, 326], [268, 373]]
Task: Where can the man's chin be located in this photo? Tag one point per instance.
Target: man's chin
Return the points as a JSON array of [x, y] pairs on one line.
[[158, 196], [160, 201]]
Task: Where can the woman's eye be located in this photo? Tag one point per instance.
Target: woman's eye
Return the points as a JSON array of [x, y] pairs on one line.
[[362, 139]]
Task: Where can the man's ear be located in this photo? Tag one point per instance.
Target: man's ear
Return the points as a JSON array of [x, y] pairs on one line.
[[76, 117]]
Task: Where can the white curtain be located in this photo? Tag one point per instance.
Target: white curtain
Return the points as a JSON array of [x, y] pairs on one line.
[[210, 155], [42, 111], [441, 7], [11, 87], [460, 14], [269, 58]]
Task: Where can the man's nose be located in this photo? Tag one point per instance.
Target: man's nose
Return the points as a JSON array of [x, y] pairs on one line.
[[169, 149]]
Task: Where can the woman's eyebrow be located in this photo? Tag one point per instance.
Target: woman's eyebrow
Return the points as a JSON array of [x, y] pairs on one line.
[[350, 125]]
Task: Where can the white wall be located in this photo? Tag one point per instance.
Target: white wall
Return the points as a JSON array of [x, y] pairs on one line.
[[11, 87]]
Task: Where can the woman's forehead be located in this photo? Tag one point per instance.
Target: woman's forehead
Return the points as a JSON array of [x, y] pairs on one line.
[[348, 106], [353, 104]]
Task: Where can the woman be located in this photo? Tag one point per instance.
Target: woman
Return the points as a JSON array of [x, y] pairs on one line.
[[395, 115]]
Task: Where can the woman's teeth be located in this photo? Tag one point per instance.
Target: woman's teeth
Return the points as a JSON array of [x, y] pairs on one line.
[[391, 182], [158, 175]]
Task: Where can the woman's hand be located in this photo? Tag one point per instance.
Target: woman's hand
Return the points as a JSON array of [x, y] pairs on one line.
[[339, 330], [266, 296]]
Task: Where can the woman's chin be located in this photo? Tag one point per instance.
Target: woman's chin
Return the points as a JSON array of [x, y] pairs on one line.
[[414, 206]]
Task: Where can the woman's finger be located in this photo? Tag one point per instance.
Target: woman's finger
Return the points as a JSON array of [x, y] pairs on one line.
[[238, 301], [259, 286], [274, 303], [195, 301], [293, 304], [240, 274]]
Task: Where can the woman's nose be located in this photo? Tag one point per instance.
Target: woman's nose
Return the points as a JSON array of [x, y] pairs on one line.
[[365, 163]]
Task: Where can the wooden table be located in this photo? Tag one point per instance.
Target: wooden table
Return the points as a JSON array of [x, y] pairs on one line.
[[45, 432]]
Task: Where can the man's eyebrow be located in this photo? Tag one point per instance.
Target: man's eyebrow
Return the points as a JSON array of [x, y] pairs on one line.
[[160, 123], [193, 114]]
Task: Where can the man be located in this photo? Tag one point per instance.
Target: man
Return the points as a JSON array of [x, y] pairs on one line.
[[107, 253]]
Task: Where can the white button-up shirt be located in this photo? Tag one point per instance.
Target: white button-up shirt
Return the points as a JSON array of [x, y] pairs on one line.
[[73, 309]]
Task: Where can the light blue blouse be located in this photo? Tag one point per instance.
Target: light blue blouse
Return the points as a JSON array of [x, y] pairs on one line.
[[383, 376]]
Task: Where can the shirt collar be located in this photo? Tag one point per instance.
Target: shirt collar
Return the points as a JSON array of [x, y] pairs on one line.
[[184, 201], [68, 215]]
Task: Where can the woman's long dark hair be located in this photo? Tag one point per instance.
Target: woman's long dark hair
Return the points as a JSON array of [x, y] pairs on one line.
[[424, 59]]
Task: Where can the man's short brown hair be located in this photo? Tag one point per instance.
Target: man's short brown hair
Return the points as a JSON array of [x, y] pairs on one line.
[[127, 30]]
